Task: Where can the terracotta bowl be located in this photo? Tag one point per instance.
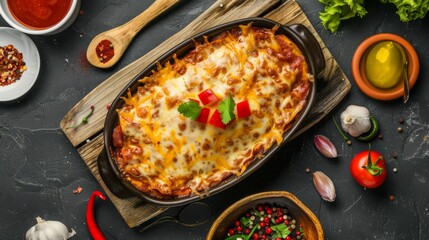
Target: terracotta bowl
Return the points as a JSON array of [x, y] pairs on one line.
[[310, 224], [358, 67]]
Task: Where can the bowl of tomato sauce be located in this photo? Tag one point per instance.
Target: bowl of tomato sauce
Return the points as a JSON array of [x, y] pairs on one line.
[[40, 17]]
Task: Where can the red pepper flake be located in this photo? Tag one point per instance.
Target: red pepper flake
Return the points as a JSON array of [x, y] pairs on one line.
[[12, 65], [108, 106], [105, 50], [78, 190]]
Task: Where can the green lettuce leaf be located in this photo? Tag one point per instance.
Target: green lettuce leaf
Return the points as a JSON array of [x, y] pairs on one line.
[[337, 10], [410, 9]]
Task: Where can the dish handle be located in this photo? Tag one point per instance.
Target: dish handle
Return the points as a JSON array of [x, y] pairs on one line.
[[313, 47], [109, 177]]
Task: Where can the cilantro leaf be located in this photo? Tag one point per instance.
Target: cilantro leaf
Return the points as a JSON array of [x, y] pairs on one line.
[[226, 109], [245, 221], [190, 109], [281, 230]]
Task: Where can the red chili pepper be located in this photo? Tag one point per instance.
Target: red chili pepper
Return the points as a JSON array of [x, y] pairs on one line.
[[204, 115], [216, 120], [243, 109], [207, 96], [90, 219]]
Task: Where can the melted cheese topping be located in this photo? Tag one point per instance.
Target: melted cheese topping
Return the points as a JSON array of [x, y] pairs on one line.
[[167, 155]]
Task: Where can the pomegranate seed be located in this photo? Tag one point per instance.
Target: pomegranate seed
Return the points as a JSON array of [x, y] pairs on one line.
[[246, 231], [269, 211], [268, 230], [262, 224], [288, 238], [255, 236], [239, 228], [298, 233], [266, 219], [260, 208], [280, 219], [237, 223], [231, 231], [287, 222]]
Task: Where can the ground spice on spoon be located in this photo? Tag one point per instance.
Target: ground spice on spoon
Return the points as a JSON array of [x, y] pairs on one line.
[[105, 50]]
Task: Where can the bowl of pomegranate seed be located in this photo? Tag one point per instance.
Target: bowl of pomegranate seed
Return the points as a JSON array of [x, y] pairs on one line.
[[267, 215]]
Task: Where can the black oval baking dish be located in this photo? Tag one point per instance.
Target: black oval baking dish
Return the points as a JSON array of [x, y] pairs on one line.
[[108, 169]]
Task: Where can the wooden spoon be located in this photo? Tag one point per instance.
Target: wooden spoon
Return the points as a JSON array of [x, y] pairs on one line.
[[406, 95], [121, 36]]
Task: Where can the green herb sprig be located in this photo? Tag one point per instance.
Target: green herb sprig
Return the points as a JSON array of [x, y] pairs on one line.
[[84, 119]]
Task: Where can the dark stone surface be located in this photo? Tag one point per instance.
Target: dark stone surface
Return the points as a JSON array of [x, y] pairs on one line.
[[40, 168]]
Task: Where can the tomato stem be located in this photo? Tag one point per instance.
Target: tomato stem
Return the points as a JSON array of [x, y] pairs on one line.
[[371, 167]]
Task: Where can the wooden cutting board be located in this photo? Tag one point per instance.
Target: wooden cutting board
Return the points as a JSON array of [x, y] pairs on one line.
[[88, 138]]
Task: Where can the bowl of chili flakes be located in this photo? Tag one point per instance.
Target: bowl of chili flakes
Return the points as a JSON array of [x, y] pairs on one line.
[[19, 64]]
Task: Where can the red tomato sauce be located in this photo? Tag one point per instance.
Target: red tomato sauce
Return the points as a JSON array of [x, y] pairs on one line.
[[39, 14]]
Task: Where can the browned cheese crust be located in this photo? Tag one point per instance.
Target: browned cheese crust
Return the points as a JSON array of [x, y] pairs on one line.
[[166, 155]]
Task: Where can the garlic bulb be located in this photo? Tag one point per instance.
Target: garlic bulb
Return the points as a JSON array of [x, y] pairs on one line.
[[48, 230], [355, 120]]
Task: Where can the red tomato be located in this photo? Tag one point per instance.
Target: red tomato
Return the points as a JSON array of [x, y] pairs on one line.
[[368, 173]]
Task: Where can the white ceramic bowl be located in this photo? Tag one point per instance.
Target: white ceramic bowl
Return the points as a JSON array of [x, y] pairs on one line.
[[31, 58], [57, 28]]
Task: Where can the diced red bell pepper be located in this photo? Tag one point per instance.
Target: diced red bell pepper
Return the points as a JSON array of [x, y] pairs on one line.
[[204, 115], [207, 96], [216, 120], [243, 109]]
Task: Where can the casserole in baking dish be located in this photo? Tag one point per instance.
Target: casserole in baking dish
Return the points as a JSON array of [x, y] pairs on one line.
[[210, 111]]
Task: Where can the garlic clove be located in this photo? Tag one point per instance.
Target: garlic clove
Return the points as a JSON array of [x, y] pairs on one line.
[[324, 186], [325, 146]]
